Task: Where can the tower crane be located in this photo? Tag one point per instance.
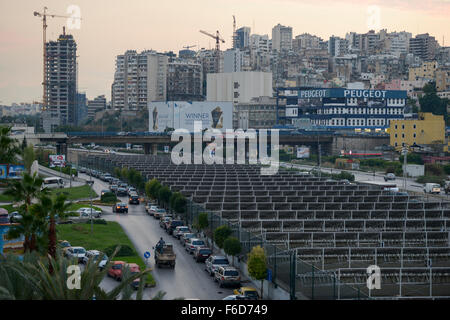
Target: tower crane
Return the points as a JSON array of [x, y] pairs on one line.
[[217, 37], [234, 32], [44, 16], [188, 47]]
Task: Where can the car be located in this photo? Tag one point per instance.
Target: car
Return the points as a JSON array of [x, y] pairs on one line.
[[173, 224], [180, 230], [121, 192], [158, 213], [117, 268], [234, 297], [120, 208], [86, 212], [76, 252], [214, 262], [64, 244], [95, 255], [15, 216], [133, 199], [152, 209], [113, 188], [432, 188], [163, 221], [389, 176], [105, 191], [148, 205], [184, 238], [193, 244], [131, 190], [227, 276], [201, 254], [123, 185], [248, 293], [344, 181]]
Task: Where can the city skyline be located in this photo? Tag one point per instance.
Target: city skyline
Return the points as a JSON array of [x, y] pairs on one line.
[[102, 36]]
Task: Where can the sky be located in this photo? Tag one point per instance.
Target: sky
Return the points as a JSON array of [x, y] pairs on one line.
[[110, 27]]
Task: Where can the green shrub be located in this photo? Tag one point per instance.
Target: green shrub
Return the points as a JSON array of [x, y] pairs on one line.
[[221, 234], [431, 179], [108, 197], [125, 251], [434, 170]]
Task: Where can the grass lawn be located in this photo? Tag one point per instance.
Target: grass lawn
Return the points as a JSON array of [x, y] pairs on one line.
[[103, 237], [4, 198], [76, 206], [76, 193]]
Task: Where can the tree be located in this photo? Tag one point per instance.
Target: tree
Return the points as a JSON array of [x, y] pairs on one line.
[[232, 246], [202, 221], [257, 265], [8, 146], [220, 234], [178, 202], [30, 279], [164, 195], [431, 102], [117, 172], [152, 188], [124, 173], [28, 157]]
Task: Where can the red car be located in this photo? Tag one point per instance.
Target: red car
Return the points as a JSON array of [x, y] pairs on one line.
[[116, 271], [201, 254]]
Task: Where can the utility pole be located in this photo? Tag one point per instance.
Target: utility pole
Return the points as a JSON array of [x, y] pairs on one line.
[[405, 158]]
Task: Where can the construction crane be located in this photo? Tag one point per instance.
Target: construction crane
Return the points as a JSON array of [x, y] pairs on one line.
[[44, 16], [188, 47], [217, 37], [234, 32]]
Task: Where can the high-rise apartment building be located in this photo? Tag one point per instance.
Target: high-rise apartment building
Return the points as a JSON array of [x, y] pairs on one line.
[[242, 38], [281, 38], [337, 46], [61, 83], [305, 41], [184, 81], [96, 105], [139, 79], [423, 46]]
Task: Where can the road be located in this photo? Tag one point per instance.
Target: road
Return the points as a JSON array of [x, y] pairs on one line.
[[188, 280]]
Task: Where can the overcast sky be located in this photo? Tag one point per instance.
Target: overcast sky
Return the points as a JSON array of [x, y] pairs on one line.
[[110, 27]]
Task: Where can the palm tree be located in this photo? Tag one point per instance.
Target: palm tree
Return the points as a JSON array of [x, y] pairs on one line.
[[30, 280], [27, 189], [8, 146], [51, 208]]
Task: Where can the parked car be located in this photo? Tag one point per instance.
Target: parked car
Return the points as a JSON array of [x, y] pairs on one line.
[[121, 192], [148, 205], [120, 208], [193, 244], [227, 276], [248, 293], [184, 238], [173, 224], [152, 209], [180, 230], [163, 221], [202, 253], [389, 176], [158, 213], [95, 255], [76, 252], [15, 216], [133, 199], [124, 185], [432, 188], [214, 262]]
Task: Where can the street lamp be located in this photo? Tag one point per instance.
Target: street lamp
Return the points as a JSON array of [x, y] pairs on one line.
[[405, 156]]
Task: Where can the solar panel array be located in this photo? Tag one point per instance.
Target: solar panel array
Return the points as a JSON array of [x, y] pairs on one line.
[[342, 228]]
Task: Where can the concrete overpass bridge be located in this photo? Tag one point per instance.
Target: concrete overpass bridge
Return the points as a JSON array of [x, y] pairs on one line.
[[330, 142]]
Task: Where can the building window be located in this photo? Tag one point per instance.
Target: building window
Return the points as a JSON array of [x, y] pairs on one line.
[[414, 126], [414, 135]]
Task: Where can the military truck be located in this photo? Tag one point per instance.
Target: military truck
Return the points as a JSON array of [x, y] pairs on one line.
[[167, 257]]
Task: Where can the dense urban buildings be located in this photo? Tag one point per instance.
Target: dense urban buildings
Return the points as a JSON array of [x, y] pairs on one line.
[[281, 38], [96, 105], [61, 83]]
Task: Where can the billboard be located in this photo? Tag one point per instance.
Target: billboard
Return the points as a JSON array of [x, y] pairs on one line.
[[182, 114], [302, 152], [57, 160], [320, 93], [3, 171], [15, 171]]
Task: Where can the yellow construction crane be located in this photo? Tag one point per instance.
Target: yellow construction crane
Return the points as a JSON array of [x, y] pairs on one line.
[[44, 16], [217, 37]]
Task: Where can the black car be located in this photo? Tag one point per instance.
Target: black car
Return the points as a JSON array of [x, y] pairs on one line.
[[120, 208], [173, 224], [134, 199], [121, 192]]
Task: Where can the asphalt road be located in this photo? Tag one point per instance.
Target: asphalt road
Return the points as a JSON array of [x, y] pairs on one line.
[[188, 280]]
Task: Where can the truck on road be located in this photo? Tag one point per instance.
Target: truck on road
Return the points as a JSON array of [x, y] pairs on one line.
[[166, 257]]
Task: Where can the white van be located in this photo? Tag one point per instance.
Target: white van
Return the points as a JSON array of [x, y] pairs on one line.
[[53, 183], [432, 188]]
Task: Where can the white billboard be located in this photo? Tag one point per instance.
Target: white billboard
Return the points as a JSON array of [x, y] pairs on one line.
[[182, 114], [302, 152]]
